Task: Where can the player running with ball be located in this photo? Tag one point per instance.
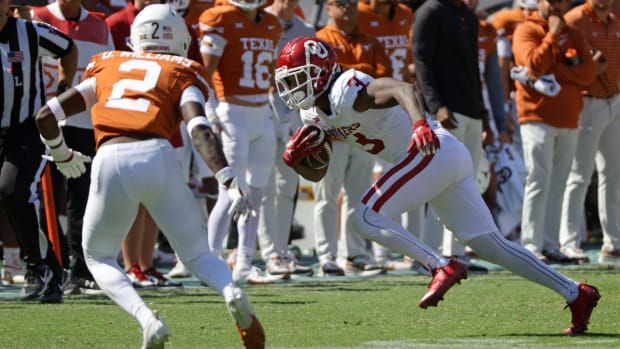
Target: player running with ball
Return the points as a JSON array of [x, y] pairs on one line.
[[382, 117]]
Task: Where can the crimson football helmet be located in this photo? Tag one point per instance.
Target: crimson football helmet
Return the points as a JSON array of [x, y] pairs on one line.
[[305, 69]]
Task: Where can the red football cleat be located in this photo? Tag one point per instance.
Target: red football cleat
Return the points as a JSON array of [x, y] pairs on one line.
[[581, 309], [443, 279], [253, 337]]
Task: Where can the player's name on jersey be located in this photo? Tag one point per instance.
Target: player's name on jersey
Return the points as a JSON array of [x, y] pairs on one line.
[[392, 41], [258, 44], [344, 131], [186, 62]]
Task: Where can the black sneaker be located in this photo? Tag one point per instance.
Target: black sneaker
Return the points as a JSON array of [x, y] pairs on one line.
[[53, 293], [555, 256], [82, 286], [38, 277]]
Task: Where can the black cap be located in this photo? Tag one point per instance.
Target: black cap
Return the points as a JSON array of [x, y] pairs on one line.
[[28, 3]]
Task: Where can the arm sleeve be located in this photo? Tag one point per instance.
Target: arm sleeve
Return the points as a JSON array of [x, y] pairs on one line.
[[88, 90], [192, 94]]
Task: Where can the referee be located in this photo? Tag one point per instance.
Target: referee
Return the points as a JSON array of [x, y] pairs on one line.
[[22, 94]]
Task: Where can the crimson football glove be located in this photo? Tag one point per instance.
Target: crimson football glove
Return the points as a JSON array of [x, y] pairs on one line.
[[305, 141], [424, 138]]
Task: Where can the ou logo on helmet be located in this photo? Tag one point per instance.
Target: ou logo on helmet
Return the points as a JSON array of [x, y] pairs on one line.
[[316, 48]]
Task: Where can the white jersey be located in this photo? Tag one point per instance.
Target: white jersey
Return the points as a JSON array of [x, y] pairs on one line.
[[385, 133]]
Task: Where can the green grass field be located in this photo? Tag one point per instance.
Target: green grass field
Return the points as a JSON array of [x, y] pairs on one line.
[[498, 310]]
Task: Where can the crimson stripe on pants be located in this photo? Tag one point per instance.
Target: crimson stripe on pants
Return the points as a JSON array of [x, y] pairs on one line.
[[389, 174], [401, 181]]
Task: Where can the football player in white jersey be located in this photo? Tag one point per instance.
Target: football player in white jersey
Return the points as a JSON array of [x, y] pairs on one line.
[[382, 116]]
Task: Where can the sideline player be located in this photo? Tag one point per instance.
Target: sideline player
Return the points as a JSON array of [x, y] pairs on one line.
[[138, 100], [377, 116], [238, 46]]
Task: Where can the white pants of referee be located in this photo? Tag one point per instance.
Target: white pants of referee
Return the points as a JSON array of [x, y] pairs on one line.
[[597, 147]]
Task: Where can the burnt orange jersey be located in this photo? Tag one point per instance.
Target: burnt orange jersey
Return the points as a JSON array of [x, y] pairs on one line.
[[394, 34], [357, 50], [601, 36], [196, 8], [249, 51], [139, 93], [505, 21]]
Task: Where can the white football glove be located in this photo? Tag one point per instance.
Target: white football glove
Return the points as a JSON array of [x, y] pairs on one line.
[[239, 208], [69, 162]]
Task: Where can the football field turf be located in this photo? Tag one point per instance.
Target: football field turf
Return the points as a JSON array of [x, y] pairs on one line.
[[497, 310]]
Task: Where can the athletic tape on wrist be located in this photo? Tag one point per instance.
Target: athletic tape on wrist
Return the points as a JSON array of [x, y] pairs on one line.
[[56, 109], [224, 175], [57, 147], [195, 121]]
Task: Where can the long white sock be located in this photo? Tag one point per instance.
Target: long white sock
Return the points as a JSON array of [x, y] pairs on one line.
[[395, 237], [113, 280], [218, 223], [210, 270], [496, 249], [248, 228]]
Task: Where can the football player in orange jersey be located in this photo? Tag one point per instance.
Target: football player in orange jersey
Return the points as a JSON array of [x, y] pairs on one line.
[[391, 23], [138, 100], [238, 48]]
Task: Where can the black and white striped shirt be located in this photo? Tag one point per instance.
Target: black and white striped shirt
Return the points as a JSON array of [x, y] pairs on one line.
[[22, 44]]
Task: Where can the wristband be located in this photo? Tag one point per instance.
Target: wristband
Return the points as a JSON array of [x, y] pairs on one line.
[[56, 109], [195, 121], [224, 175]]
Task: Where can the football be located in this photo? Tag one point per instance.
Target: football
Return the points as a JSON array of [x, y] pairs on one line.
[[320, 159]]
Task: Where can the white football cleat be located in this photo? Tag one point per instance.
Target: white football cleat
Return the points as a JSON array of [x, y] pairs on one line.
[[239, 307], [155, 334], [179, 271], [254, 276]]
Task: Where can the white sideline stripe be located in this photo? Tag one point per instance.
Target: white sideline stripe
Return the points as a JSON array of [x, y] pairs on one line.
[[478, 343]]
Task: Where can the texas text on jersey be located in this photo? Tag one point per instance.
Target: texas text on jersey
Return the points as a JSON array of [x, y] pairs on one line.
[[249, 53]]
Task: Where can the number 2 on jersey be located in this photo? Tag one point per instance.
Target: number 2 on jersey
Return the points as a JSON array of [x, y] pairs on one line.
[[116, 99]]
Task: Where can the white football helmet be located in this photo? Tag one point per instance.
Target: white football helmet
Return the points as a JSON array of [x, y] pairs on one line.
[[159, 29], [247, 4]]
